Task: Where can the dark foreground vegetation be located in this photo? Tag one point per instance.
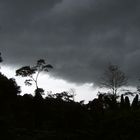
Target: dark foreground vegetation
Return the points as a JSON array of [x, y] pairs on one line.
[[58, 116]]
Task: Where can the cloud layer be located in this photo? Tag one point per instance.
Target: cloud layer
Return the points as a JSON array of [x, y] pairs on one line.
[[78, 37]]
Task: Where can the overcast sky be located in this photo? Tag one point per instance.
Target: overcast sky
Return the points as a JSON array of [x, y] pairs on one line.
[[78, 37]]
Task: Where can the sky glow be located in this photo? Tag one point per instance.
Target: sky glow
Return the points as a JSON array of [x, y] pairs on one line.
[[50, 84]]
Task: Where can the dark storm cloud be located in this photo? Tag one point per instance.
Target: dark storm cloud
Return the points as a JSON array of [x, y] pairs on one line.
[[78, 37]]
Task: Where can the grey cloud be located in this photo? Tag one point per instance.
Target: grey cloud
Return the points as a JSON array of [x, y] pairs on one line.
[[78, 37]]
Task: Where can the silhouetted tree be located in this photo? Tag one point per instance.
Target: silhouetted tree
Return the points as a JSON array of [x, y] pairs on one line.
[[122, 104], [96, 105], [33, 73], [38, 93], [108, 100], [65, 96], [127, 102], [113, 78], [135, 102]]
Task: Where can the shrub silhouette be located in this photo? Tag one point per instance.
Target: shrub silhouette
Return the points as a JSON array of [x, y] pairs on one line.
[[8, 87]]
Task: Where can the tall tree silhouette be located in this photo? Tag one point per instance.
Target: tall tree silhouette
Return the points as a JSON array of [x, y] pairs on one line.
[[122, 103], [135, 102], [127, 102], [113, 78], [33, 73]]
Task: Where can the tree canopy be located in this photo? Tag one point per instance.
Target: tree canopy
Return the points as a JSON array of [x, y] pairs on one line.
[[33, 72]]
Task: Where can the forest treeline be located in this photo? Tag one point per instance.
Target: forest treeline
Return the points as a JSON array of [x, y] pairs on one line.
[[110, 116]]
